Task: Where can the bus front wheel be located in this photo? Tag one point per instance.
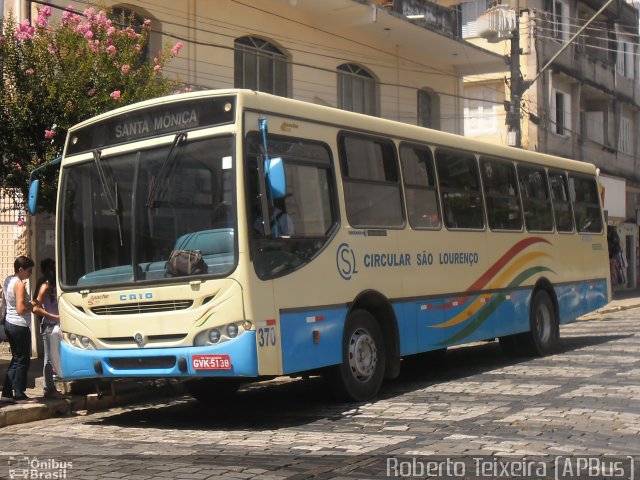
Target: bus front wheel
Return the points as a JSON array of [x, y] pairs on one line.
[[213, 390], [361, 372], [544, 329]]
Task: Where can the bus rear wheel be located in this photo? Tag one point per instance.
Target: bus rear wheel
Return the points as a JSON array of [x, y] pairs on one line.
[[213, 390], [544, 329], [361, 372]]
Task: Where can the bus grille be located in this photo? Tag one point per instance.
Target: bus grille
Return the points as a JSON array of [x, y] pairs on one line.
[[150, 339], [142, 307], [132, 363]]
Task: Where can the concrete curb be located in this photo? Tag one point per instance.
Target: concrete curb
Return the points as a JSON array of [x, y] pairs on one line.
[[49, 408], [608, 309]]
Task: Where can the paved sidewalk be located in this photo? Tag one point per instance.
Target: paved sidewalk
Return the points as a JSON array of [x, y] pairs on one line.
[[130, 392], [622, 300], [84, 397]]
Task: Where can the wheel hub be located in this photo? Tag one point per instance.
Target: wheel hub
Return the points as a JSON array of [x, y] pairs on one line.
[[543, 323], [363, 355]]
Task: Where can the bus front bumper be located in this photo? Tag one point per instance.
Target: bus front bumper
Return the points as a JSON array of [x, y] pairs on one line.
[[233, 358]]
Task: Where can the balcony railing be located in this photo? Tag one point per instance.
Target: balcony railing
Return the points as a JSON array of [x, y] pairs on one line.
[[428, 14]]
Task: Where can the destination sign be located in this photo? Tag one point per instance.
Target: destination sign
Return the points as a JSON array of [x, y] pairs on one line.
[[151, 122]]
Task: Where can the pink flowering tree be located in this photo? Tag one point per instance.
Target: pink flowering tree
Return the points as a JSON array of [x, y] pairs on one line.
[[56, 75]]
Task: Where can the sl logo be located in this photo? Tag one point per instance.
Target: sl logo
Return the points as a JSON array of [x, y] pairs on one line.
[[346, 261]]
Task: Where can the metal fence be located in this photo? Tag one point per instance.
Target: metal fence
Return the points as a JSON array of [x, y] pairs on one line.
[[14, 233]]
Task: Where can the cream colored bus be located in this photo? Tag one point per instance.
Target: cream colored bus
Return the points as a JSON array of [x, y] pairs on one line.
[[228, 236]]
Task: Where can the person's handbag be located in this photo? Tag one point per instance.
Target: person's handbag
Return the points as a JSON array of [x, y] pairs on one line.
[[3, 303], [186, 262]]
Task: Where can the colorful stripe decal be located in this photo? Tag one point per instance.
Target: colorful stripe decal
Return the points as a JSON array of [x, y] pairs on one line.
[[494, 269], [481, 300], [205, 317], [492, 306]]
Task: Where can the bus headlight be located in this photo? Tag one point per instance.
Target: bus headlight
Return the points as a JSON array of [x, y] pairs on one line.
[[78, 341], [232, 330], [214, 335], [219, 334]]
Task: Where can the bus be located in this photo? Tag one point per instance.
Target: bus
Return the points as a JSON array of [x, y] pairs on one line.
[[228, 236]]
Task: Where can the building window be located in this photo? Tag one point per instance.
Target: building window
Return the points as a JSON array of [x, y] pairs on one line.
[[126, 17], [560, 18], [470, 11], [481, 111], [560, 112], [428, 109], [624, 142], [357, 90], [625, 58], [594, 128], [260, 65]]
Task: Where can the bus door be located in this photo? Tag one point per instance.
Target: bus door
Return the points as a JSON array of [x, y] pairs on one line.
[[289, 240]]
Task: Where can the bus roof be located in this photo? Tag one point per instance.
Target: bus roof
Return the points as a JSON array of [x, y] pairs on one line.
[[287, 107]]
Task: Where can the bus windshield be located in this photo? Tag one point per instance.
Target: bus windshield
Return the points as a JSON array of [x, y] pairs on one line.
[[122, 215]]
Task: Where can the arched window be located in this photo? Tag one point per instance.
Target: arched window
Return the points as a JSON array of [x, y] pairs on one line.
[[125, 17], [260, 65], [357, 89], [428, 109]]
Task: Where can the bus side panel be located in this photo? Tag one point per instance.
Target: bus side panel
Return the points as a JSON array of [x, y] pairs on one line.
[[596, 294], [577, 299], [299, 351], [571, 302], [456, 320], [406, 317]]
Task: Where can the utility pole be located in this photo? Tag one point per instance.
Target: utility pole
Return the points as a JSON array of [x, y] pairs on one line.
[[516, 84]]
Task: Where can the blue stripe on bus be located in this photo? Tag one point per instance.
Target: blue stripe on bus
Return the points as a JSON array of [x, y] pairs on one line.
[[77, 363], [502, 313], [417, 325]]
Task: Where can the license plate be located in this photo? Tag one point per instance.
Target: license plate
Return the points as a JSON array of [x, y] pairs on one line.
[[211, 362]]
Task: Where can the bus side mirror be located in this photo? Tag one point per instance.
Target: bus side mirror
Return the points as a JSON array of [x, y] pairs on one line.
[[33, 196], [276, 177], [34, 186]]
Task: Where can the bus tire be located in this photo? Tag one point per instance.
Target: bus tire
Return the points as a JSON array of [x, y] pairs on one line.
[[544, 329], [213, 390], [359, 376]]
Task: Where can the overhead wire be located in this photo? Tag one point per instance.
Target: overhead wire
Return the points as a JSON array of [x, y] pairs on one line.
[[289, 61]]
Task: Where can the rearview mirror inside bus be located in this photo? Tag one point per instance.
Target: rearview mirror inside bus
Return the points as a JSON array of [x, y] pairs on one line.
[[276, 177], [33, 196]]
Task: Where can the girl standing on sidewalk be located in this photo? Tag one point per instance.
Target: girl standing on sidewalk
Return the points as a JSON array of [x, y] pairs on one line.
[[18, 329], [48, 310]]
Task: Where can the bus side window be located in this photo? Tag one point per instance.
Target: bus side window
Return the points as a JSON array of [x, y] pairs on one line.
[[420, 187], [371, 181], [586, 203], [460, 189], [501, 194], [561, 201], [535, 198]]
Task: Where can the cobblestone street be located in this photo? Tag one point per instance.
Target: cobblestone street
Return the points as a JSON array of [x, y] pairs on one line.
[[585, 400]]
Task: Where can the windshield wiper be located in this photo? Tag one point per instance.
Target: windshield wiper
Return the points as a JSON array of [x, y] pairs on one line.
[[108, 183], [159, 182]]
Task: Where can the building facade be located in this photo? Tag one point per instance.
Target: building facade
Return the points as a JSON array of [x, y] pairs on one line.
[[585, 105], [353, 54]]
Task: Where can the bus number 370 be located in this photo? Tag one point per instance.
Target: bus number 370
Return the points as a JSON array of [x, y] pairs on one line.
[[267, 336]]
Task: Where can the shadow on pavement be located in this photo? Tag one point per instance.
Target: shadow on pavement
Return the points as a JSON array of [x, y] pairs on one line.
[[289, 403]]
